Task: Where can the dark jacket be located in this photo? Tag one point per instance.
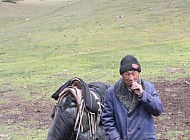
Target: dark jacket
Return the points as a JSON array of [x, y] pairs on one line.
[[139, 124]]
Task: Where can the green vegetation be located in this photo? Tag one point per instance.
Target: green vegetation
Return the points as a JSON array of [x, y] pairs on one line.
[[45, 43]]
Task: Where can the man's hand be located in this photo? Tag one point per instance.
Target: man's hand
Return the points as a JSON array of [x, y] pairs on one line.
[[137, 89]]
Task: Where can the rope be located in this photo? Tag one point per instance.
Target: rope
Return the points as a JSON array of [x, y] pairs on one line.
[[78, 121]]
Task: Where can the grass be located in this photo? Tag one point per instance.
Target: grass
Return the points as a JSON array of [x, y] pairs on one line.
[[183, 135], [19, 132], [44, 43]]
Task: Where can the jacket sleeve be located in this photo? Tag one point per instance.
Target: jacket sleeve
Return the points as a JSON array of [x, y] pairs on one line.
[[108, 119], [151, 100]]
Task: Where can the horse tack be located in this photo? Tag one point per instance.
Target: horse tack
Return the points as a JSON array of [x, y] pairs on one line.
[[78, 122], [80, 90], [77, 94], [91, 117]]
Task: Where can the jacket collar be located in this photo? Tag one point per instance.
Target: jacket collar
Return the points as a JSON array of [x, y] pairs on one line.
[[125, 95]]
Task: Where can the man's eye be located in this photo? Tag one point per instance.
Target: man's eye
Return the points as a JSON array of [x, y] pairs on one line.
[[127, 74]]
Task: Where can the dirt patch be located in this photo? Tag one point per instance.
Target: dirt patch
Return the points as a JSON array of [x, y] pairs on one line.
[[30, 114], [174, 95], [175, 98]]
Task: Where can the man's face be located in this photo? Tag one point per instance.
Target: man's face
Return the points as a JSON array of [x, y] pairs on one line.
[[130, 76]]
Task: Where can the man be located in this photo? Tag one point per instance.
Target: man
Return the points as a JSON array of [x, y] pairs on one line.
[[130, 105]]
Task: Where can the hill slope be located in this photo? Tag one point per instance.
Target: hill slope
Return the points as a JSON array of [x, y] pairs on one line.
[[45, 43]]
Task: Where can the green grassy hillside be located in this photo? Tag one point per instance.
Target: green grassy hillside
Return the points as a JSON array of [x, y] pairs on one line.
[[45, 43], [93, 35]]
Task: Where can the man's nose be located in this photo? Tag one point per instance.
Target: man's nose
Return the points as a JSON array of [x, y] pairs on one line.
[[131, 77]]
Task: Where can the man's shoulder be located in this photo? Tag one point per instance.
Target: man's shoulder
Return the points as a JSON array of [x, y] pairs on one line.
[[147, 85], [111, 88], [146, 82]]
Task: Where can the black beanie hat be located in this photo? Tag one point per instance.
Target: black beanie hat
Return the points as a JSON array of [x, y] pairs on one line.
[[128, 63]]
